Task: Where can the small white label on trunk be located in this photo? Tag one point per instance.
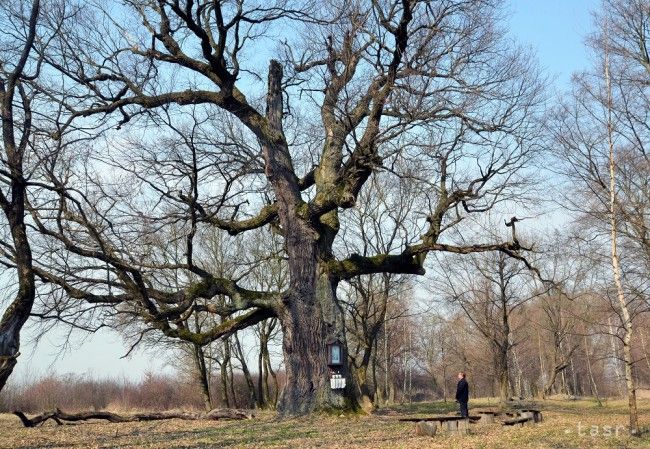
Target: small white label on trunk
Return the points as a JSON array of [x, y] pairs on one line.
[[337, 382]]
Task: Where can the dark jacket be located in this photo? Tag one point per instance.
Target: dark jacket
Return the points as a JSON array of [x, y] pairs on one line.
[[462, 391]]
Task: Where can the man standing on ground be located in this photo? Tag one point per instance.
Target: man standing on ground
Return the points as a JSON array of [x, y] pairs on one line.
[[462, 394]]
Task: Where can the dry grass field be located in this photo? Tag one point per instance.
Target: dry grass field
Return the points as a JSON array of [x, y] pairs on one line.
[[567, 424]]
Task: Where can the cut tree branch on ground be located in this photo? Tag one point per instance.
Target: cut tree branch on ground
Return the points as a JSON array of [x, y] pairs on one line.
[[59, 416]]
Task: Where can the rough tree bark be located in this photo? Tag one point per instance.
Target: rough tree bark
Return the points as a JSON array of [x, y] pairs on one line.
[[307, 324], [310, 314], [13, 204]]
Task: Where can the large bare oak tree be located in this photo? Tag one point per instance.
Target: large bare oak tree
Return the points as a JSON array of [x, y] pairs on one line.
[[193, 132]]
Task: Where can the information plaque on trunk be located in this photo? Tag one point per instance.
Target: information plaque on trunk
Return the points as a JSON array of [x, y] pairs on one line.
[[337, 382]]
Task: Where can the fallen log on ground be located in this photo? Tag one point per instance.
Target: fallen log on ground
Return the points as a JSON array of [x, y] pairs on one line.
[[59, 416]]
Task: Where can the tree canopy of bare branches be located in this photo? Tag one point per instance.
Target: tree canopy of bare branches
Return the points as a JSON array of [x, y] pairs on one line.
[[177, 119]]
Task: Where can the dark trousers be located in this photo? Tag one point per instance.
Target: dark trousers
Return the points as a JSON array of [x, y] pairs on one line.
[[463, 409]]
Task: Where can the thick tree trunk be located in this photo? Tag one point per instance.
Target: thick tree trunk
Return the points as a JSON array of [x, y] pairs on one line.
[[13, 207], [9, 345], [367, 396], [7, 364], [309, 323], [18, 312], [311, 318], [310, 315]]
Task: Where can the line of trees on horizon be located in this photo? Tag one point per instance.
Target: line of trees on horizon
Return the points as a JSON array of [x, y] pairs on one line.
[[559, 347]]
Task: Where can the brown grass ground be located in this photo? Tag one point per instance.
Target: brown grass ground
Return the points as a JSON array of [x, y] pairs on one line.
[[567, 424]]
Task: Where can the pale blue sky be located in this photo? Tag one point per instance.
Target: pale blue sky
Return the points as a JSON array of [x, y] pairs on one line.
[[554, 29]]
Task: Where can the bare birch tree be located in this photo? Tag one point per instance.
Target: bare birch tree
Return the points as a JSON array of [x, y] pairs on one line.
[[603, 136]]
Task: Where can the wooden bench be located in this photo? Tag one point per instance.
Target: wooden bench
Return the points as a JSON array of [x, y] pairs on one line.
[[440, 419], [426, 428], [450, 424], [487, 416], [535, 415], [490, 416], [517, 421]]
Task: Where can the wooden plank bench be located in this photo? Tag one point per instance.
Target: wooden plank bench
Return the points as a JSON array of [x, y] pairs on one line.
[[487, 416], [440, 419], [535, 415], [518, 421], [450, 424], [490, 416]]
